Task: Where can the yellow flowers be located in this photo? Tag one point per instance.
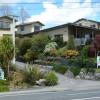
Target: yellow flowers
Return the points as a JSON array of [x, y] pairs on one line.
[[70, 53]]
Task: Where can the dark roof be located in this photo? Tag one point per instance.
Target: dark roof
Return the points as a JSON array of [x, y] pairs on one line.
[[60, 26], [8, 17], [76, 25], [87, 20], [29, 23], [55, 27], [45, 30]]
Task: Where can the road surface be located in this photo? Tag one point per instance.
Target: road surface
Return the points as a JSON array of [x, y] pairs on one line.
[[58, 95]]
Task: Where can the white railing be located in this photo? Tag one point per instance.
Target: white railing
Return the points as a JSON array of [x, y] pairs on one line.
[[80, 41]]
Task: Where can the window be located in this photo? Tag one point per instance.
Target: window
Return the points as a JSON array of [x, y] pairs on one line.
[[22, 28], [58, 37], [59, 40], [4, 25], [93, 26], [36, 28], [80, 24], [87, 36], [1, 24]]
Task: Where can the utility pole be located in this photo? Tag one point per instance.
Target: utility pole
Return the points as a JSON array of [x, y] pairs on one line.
[[13, 31]]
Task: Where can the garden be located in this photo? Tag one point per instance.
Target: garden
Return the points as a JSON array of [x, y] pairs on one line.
[[41, 50], [63, 56]]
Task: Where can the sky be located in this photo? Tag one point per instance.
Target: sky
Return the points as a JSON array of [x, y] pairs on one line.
[[57, 12]]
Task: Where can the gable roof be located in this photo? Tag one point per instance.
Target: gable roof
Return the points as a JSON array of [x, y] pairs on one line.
[[7, 17], [29, 23], [86, 20], [58, 27]]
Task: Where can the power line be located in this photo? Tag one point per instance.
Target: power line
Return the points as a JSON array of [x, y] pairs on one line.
[[45, 2], [54, 8]]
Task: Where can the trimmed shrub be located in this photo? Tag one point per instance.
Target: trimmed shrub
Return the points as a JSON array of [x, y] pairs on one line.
[[75, 70], [51, 79]]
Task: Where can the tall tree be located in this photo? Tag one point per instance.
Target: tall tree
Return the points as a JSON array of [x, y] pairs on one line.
[[39, 42], [6, 51], [23, 15], [5, 10]]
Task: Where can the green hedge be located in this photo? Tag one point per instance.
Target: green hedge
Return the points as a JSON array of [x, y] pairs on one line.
[[51, 79], [75, 70], [82, 62], [3, 82], [4, 86], [60, 69]]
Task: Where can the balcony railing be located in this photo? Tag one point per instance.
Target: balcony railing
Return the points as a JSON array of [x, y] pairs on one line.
[[80, 41]]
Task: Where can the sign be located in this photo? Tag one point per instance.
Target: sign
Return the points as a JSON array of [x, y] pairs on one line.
[[98, 59], [1, 74]]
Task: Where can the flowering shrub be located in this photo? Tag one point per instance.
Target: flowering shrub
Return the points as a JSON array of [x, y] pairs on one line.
[[70, 53], [50, 49], [50, 46]]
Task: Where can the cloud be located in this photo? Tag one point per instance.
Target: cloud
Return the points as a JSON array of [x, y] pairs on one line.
[[9, 1], [67, 12], [17, 1]]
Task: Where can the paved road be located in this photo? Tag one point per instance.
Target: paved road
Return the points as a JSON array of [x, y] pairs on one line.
[[60, 95]]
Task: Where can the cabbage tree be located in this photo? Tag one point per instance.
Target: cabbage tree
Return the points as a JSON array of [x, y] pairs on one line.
[[6, 51]]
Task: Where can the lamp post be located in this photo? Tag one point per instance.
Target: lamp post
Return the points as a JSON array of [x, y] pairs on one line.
[[13, 30]]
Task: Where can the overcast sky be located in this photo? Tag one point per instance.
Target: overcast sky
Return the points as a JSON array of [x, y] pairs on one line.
[[56, 12]]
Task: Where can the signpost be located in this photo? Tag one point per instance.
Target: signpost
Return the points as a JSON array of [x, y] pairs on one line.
[[98, 59]]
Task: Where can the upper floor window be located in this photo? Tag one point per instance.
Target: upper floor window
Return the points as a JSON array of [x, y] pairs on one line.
[[4, 25], [93, 26], [36, 28], [22, 28], [1, 24], [80, 24]]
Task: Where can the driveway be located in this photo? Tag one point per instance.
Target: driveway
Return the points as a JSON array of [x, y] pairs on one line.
[[68, 84], [76, 84]]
